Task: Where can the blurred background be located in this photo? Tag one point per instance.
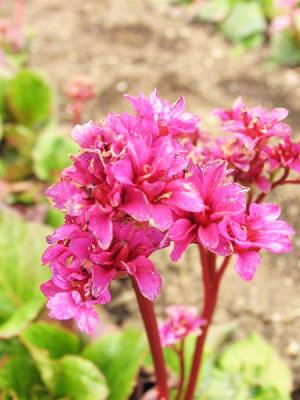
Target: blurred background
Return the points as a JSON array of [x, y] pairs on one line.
[[210, 52]]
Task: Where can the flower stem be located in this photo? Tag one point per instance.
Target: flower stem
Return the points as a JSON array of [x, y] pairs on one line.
[[211, 288], [181, 369], [150, 323]]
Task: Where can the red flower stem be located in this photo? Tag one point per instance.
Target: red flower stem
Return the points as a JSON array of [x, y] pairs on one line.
[[211, 289], [150, 323], [280, 181], [181, 370]]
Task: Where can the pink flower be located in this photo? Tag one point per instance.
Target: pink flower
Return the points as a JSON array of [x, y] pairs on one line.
[[154, 175], [257, 122], [258, 229], [181, 321], [172, 119], [285, 154], [220, 198], [82, 271]]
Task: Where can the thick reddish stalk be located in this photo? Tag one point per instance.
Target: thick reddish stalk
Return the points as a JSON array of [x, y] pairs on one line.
[[211, 288], [149, 319]]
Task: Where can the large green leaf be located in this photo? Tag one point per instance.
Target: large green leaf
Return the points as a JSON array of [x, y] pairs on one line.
[[21, 246], [28, 99], [285, 49], [259, 365], [19, 378], [57, 341], [119, 356], [80, 379], [246, 19], [51, 154]]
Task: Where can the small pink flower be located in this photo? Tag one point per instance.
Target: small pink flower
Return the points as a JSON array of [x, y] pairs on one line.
[[181, 321], [285, 154], [257, 122], [220, 198], [258, 229]]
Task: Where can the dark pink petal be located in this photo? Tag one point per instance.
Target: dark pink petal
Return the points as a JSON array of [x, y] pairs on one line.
[[49, 289], [101, 279], [122, 171], [101, 226], [136, 205], [247, 263], [53, 252], [66, 231], [146, 276], [179, 248], [162, 216], [186, 200], [263, 184], [180, 229], [209, 236]]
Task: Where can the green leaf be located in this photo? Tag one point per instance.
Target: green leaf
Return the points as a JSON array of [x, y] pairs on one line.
[[18, 377], [285, 50], [80, 379], [258, 363], [54, 217], [214, 10], [119, 356], [29, 99], [246, 19], [21, 246], [57, 341], [217, 384], [51, 154]]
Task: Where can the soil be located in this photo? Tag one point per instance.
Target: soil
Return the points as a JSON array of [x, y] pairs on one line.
[[136, 46]]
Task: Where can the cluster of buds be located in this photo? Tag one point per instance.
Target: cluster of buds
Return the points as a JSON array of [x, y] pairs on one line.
[[181, 321], [288, 18], [12, 37], [78, 91], [136, 186]]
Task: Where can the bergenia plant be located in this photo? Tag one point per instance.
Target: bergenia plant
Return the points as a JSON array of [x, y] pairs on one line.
[[151, 179], [79, 91]]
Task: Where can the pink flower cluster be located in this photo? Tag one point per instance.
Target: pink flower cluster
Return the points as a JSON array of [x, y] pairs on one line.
[[181, 321], [79, 91], [134, 188], [256, 143]]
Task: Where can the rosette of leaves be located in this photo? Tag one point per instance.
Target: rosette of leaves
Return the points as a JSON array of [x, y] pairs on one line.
[[242, 22]]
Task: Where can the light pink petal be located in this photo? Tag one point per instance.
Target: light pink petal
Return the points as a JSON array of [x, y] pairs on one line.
[[295, 165], [247, 263], [122, 171], [101, 226], [87, 318], [86, 135], [147, 277], [136, 205], [62, 306]]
